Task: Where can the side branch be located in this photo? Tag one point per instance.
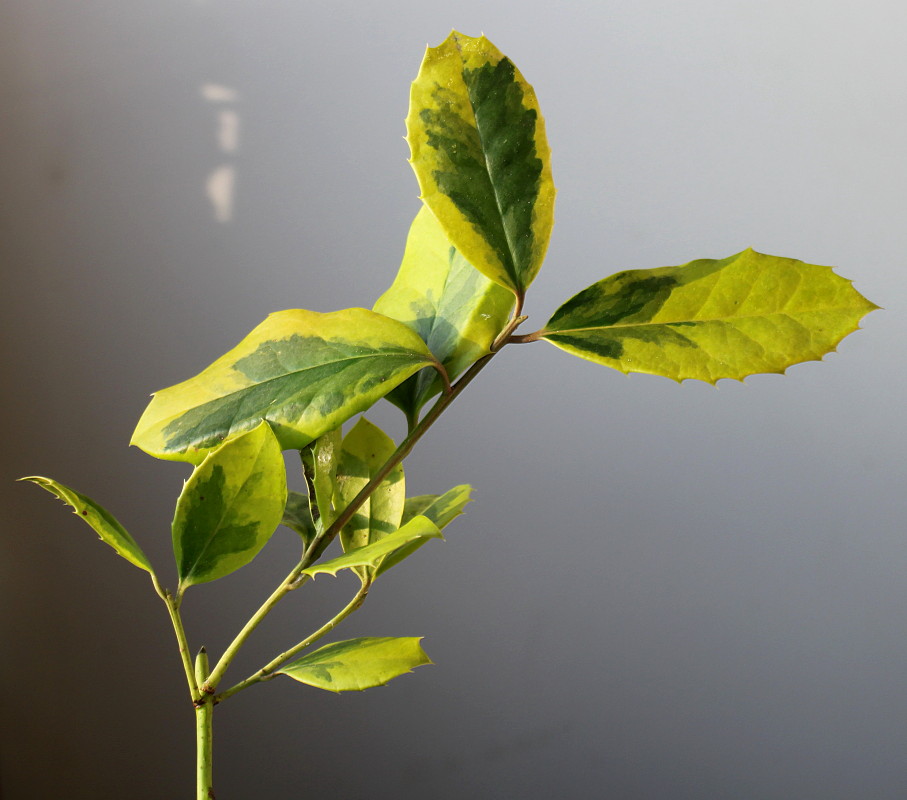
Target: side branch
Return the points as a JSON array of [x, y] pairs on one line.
[[267, 671]]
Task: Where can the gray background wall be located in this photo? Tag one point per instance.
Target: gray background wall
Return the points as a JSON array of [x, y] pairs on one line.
[[662, 591]]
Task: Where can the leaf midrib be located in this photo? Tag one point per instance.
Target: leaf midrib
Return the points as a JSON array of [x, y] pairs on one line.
[[220, 521], [728, 320], [166, 420], [494, 189]]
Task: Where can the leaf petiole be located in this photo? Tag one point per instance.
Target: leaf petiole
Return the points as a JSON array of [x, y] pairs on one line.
[[173, 604]]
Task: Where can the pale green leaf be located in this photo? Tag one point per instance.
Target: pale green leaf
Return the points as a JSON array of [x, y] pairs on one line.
[[441, 510], [303, 372], [365, 450], [297, 515], [358, 664], [371, 558], [456, 310], [99, 518], [709, 319], [229, 507], [325, 454], [482, 159]]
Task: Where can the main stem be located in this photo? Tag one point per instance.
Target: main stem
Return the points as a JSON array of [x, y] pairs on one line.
[[204, 714]]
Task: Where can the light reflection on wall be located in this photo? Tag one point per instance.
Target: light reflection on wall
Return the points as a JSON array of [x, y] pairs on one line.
[[220, 185]]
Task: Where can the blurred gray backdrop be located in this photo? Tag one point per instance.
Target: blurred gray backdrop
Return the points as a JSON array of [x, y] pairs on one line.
[[662, 591]]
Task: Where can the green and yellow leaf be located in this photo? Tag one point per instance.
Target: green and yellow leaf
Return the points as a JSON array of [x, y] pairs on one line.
[[99, 519], [304, 372], [481, 157], [229, 507], [358, 664], [372, 558], [455, 309], [442, 510], [319, 461], [365, 450], [708, 319]]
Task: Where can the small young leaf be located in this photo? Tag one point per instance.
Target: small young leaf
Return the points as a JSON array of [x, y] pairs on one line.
[[358, 664], [298, 516], [304, 372], [99, 518], [710, 319], [371, 559], [440, 510], [325, 454], [456, 310], [365, 450], [482, 159], [229, 507]]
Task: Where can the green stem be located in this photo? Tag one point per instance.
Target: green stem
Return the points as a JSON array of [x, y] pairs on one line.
[[182, 641], [266, 672], [204, 714], [318, 546]]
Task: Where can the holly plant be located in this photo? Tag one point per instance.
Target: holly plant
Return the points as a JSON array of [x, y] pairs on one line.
[[482, 161]]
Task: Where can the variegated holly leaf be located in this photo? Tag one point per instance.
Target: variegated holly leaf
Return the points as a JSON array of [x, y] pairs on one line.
[[482, 159], [456, 310], [441, 510], [319, 464], [357, 664], [365, 450], [303, 372], [710, 319], [99, 519], [371, 559], [229, 507]]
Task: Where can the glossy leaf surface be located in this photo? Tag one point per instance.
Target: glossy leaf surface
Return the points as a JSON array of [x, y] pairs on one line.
[[229, 507], [99, 519], [358, 664], [708, 319], [304, 372], [372, 558], [440, 509], [453, 307], [364, 451], [480, 154]]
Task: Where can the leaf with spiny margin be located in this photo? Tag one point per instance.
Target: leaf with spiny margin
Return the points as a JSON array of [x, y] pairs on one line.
[[442, 510], [99, 518], [482, 159], [297, 515], [365, 450], [304, 372], [229, 507], [709, 319], [371, 559], [456, 310], [358, 664]]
